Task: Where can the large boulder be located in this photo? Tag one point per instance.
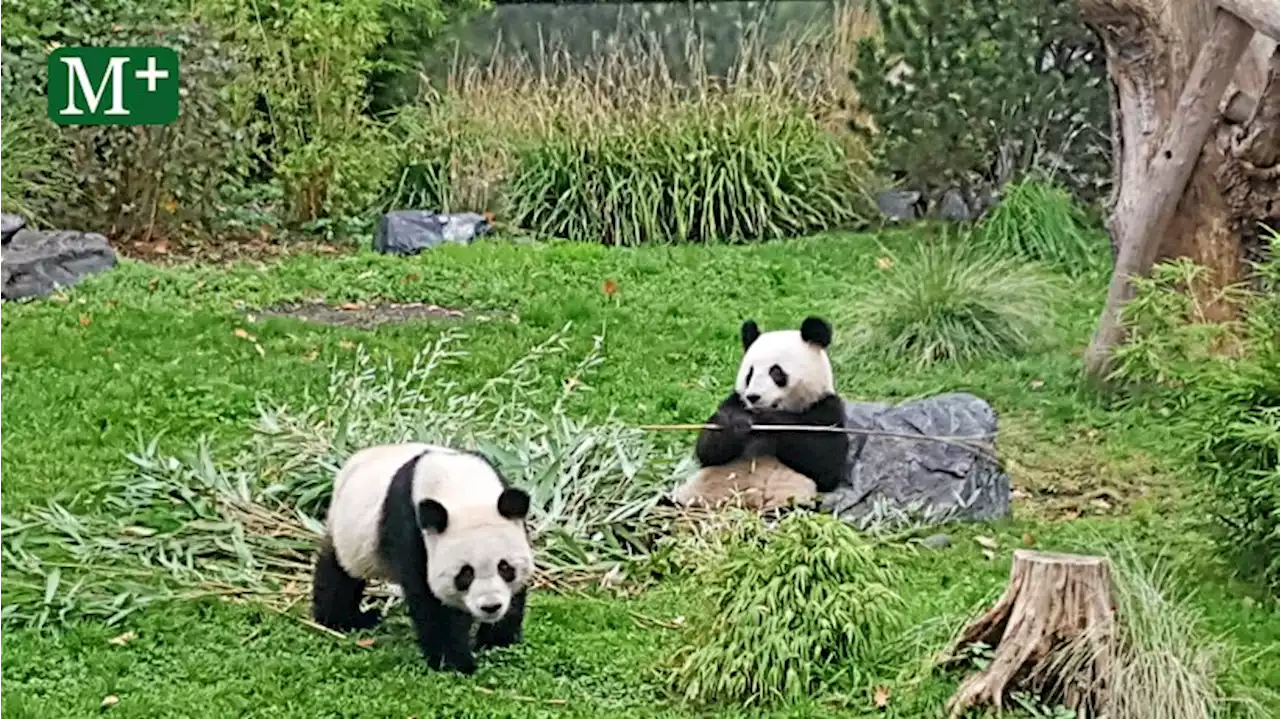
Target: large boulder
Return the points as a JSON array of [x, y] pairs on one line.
[[37, 263], [927, 480]]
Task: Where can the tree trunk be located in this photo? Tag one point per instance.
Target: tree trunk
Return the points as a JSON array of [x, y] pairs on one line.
[[1190, 179], [1052, 632]]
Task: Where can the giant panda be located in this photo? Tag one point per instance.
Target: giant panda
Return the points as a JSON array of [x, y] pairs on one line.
[[446, 527], [784, 378]]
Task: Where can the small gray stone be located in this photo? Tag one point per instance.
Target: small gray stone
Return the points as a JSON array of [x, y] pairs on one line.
[[9, 226], [408, 232], [37, 263], [900, 205], [952, 207], [936, 541]]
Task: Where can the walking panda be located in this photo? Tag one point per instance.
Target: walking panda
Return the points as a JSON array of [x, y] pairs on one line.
[[445, 526], [785, 378]]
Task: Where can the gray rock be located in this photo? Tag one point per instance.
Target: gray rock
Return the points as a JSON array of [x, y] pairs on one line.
[[929, 481], [952, 207], [936, 541], [408, 232], [37, 263], [9, 225], [900, 205]]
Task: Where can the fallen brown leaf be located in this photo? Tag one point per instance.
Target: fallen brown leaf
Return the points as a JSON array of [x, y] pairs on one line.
[[86, 320], [110, 700], [366, 643], [242, 333], [351, 306], [123, 639], [1028, 539], [885, 263], [409, 278], [610, 288], [882, 697]]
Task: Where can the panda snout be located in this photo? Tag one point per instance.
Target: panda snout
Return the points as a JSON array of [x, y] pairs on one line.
[[752, 398], [491, 609]]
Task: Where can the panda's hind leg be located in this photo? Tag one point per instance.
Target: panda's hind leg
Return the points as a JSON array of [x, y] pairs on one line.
[[336, 595], [506, 631]]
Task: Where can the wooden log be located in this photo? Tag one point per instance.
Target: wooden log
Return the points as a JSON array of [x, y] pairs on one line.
[[1140, 218], [1263, 15], [1053, 602]]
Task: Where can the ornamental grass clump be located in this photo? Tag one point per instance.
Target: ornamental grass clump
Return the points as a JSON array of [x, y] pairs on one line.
[[793, 610]]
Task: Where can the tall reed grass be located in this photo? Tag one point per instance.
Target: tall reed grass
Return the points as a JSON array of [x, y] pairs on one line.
[[623, 149]]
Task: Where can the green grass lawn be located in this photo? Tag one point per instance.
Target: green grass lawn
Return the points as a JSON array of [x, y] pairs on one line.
[[146, 351]]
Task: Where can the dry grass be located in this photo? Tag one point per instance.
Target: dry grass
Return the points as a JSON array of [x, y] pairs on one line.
[[487, 111]]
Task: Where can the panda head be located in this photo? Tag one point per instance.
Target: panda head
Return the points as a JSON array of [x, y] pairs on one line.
[[785, 370], [478, 555]]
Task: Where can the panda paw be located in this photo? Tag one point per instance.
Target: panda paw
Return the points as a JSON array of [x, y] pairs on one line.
[[366, 620], [460, 663], [739, 425]]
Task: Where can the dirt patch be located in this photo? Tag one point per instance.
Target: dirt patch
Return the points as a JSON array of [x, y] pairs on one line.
[[360, 314], [1074, 474]]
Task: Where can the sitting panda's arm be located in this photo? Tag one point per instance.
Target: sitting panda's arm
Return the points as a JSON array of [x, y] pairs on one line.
[[820, 456], [721, 446]]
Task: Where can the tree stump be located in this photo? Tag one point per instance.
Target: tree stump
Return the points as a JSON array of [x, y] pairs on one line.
[[1052, 632]]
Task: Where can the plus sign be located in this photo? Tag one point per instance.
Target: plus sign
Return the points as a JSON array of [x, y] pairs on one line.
[[151, 74]]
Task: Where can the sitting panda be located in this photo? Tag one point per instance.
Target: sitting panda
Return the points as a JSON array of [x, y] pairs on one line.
[[785, 378], [445, 526]]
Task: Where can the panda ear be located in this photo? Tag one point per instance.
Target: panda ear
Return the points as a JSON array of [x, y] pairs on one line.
[[432, 516], [816, 331], [513, 503], [750, 333]]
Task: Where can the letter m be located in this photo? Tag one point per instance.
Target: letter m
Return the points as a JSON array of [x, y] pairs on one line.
[[77, 76]]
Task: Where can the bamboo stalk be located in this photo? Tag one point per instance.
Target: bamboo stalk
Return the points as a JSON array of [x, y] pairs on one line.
[[975, 443]]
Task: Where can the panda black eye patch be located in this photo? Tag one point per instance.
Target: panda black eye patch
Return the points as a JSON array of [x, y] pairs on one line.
[[778, 375], [462, 580], [506, 571], [751, 372]]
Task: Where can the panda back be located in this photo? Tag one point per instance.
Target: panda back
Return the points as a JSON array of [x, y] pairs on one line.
[[355, 511]]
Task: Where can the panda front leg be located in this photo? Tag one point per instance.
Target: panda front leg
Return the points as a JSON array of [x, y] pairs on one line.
[[444, 633], [506, 631]]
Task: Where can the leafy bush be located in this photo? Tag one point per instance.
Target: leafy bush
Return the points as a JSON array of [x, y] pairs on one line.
[[1040, 221], [275, 109], [981, 89], [1220, 385], [789, 610], [946, 301], [743, 169]]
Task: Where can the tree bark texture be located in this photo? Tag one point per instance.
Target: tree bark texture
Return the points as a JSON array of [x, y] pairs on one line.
[[1188, 181], [1054, 603]]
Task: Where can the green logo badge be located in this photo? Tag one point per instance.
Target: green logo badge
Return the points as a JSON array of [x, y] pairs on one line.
[[113, 85]]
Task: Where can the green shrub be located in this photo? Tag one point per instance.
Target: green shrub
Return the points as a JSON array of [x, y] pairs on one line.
[[983, 89], [789, 610], [30, 178], [747, 168], [945, 301], [275, 121], [1226, 404], [1040, 221]]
